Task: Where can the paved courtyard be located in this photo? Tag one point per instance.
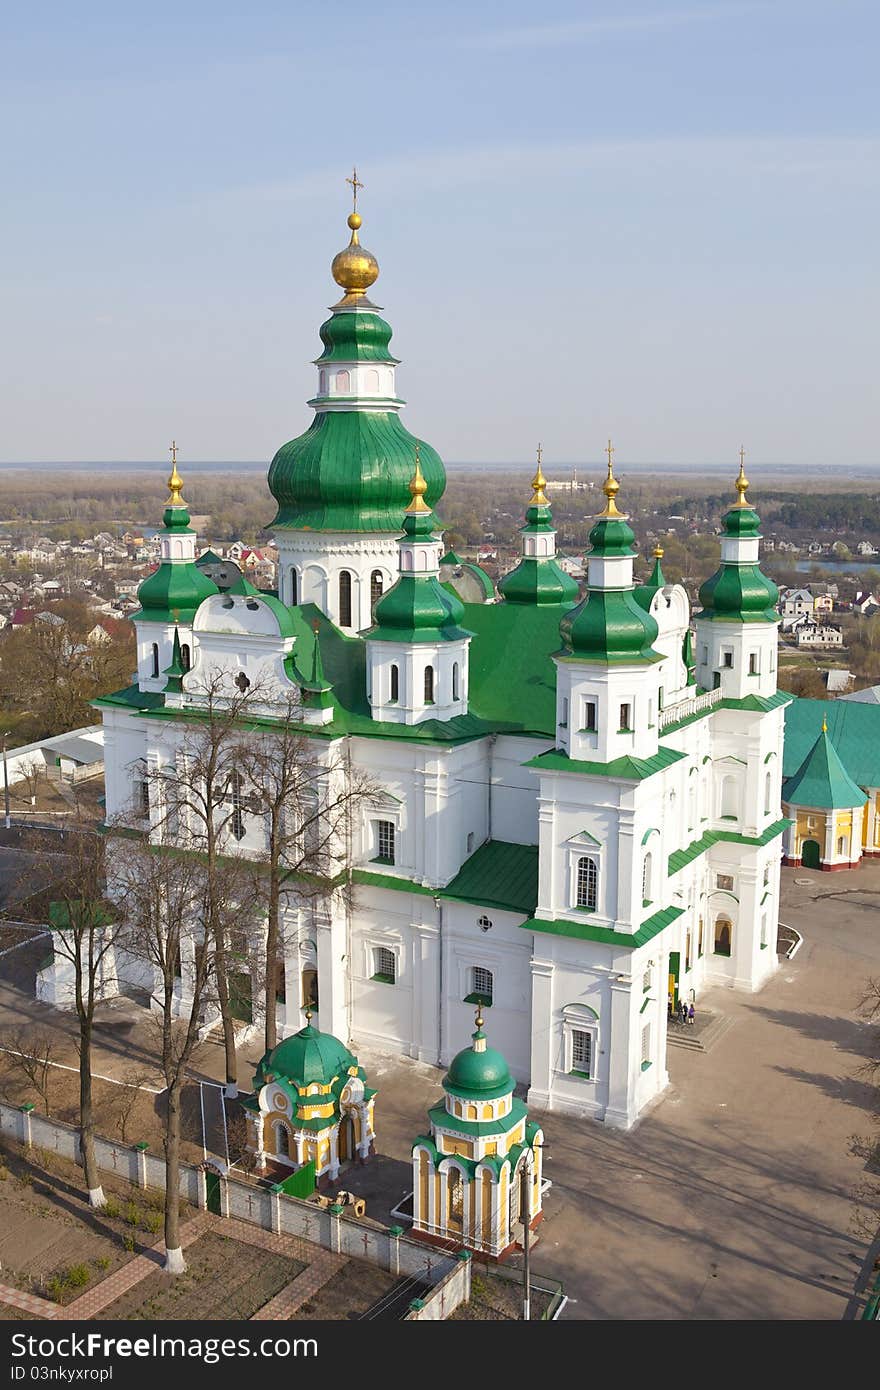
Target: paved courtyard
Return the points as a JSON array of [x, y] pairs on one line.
[[733, 1198]]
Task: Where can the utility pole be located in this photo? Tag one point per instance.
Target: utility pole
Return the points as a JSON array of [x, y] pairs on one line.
[[524, 1217]]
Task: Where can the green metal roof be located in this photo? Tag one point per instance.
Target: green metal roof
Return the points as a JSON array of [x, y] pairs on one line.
[[679, 858], [355, 337], [351, 471], [500, 875], [626, 768], [584, 931], [822, 780], [478, 1075], [853, 728], [308, 1056], [479, 1129]]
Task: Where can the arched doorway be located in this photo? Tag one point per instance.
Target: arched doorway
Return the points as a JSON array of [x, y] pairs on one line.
[[723, 931], [810, 854], [310, 988], [348, 1138], [282, 1141], [454, 1200]]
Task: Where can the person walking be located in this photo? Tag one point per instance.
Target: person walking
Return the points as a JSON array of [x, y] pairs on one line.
[[691, 1014]]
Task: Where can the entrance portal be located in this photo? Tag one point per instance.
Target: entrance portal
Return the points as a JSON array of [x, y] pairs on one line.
[[810, 854]]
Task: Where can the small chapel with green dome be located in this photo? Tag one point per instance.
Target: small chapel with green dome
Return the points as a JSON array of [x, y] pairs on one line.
[[310, 1104], [576, 819]]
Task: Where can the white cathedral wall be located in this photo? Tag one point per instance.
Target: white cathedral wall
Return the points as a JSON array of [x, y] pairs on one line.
[[515, 788], [505, 949], [318, 558]]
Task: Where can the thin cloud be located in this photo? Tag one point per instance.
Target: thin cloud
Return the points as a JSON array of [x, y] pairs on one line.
[[585, 30], [855, 158]]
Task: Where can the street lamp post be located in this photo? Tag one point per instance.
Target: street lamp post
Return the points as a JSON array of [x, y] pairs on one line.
[[6, 783], [524, 1192]]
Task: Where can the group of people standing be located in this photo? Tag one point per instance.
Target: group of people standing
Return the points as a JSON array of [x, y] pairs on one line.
[[682, 1012]]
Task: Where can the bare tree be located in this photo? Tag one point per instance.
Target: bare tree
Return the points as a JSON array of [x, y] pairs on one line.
[[867, 1146], [163, 897], [32, 1056], [32, 774], [308, 798], [124, 1100], [196, 805], [84, 933]]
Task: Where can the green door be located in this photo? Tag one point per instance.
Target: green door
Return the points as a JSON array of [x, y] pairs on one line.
[[810, 854], [212, 1190]]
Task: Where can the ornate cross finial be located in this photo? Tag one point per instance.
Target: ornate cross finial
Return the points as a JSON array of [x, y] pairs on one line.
[[479, 1018], [742, 482], [611, 486], [825, 723], [539, 482], [355, 185], [308, 1017], [175, 482]]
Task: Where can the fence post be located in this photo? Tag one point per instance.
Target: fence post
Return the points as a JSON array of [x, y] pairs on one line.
[[25, 1111], [201, 1190], [141, 1151], [336, 1228], [394, 1234], [275, 1211], [464, 1258], [224, 1195]]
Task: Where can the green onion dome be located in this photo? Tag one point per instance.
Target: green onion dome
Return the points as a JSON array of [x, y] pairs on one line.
[[355, 337], [418, 608], [478, 1072], [350, 471], [647, 592], [308, 1056], [739, 592], [609, 625], [174, 591], [538, 579]]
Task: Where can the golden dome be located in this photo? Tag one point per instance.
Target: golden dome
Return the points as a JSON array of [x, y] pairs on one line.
[[658, 552], [417, 489], [742, 483], [354, 269]]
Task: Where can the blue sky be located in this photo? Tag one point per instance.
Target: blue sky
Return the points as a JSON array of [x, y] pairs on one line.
[[642, 218]]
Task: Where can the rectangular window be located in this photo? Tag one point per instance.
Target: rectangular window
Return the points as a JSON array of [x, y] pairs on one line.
[[646, 1047], [724, 881], [563, 721], [704, 656], [384, 965], [237, 810], [142, 800], [470, 842], [384, 842], [591, 722], [625, 725], [727, 660], [581, 1053], [753, 663]]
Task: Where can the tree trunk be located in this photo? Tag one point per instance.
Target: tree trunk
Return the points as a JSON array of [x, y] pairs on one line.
[[174, 1261], [225, 1015], [272, 959], [86, 1116]]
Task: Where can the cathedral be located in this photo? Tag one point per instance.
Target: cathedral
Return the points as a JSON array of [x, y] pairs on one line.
[[580, 814]]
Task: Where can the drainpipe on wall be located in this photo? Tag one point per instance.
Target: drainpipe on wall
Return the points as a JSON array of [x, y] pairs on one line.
[[439, 906]]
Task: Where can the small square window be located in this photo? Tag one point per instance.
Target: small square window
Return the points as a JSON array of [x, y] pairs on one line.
[[753, 663], [384, 965], [482, 985], [724, 881], [625, 719], [590, 717], [727, 660]]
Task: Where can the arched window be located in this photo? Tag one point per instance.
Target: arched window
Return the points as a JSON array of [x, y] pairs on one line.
[[343, 382], [309, 822], [723, 933], [322, 381], [587, 883], [294, 588], [768, 788], [377, 584], [647, 878], [687, 951], [282, 1147], [395, 682], [185, 656], [345, 599], [455, 691], [371, 381], [155, 657], [729, 799], [429, 685]]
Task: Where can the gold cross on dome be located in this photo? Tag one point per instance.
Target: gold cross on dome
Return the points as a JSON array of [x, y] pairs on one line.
[[540, 455], [742, 456], [610, 452], [355, 185], [173, 452]]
